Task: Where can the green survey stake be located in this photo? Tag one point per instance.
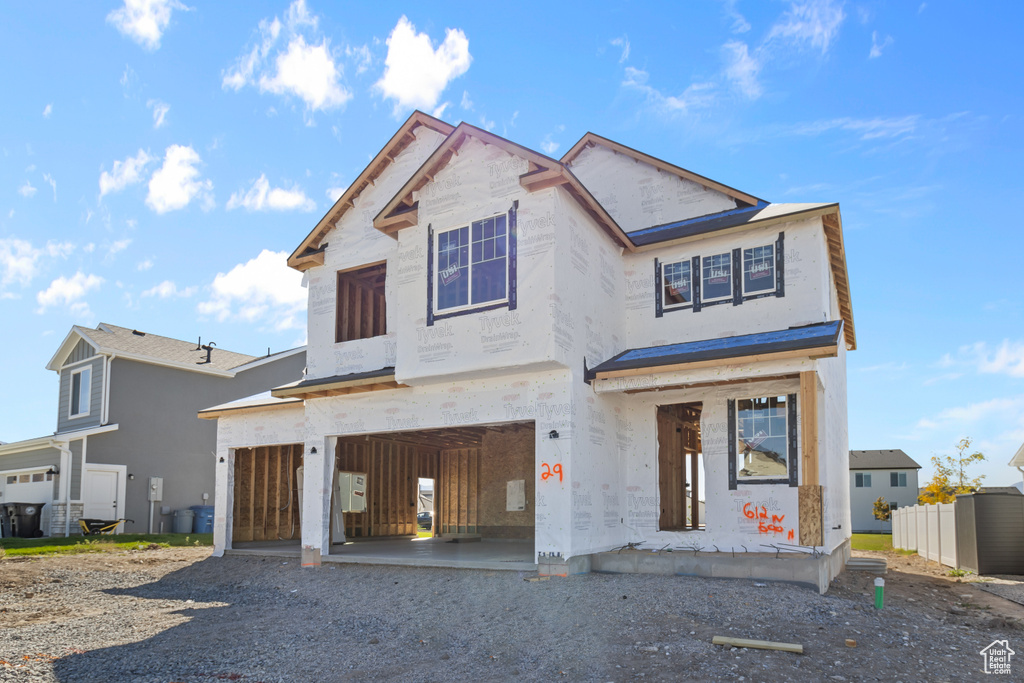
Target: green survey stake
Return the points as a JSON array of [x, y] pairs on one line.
[[879, 590]]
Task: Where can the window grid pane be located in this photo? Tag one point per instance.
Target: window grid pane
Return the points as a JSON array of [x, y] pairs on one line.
[[759, 269], [453, 268], [676, 281], [717, 276], [489, 272], [762, 439]]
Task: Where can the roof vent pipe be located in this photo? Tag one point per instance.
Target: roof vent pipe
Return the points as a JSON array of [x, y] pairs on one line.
[[208, 348], [199, 345]]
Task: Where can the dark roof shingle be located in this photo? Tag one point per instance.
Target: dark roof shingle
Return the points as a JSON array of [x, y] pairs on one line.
[[891, 459]]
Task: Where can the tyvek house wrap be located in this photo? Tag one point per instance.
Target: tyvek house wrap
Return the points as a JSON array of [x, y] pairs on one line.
[[638, 195]]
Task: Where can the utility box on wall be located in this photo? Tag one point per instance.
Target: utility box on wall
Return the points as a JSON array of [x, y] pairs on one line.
[[156, 489], [350, 494]]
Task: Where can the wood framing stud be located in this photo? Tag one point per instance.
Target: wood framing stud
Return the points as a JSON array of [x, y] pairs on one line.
[[809, 461]]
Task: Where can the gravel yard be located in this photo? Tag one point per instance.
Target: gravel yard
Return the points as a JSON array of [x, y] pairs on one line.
[[180, 615]]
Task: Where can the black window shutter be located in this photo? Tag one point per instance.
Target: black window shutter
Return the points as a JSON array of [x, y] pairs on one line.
[[430, 275], [737, 277], [791, 456], [657, 289], [696, 276], [780, 265], [512, 254], [731, 417]]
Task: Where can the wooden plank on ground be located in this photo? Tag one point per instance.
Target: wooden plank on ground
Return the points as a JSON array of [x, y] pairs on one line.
[[758, 644]]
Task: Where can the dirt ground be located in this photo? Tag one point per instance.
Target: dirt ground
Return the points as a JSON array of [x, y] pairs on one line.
[[178, 615]]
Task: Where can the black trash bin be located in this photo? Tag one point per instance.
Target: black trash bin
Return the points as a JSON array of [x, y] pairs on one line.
[[5, 522], [24, 519]]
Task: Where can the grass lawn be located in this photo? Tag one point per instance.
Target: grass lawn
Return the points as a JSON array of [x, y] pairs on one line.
[[871, 541], [98, 544]]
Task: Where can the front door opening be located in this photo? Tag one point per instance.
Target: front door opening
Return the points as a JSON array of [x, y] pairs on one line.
[[680, 468], [425, 508]]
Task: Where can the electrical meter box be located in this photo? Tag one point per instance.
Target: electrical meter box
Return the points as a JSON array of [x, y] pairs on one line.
[[156, 489], [350, 492]]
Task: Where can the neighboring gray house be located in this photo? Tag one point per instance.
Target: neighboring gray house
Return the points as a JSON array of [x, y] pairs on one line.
[[891, 474], [126, 412]]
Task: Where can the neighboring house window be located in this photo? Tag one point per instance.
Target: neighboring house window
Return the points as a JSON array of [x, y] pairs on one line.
[[361, 311], [759, 269], [898, 479], [862, 481], [677, 283], [717, 277], [12, 479], [80, 388], [892, 506]]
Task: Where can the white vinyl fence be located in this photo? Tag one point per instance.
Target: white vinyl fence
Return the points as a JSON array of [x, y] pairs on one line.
[[928, 529]]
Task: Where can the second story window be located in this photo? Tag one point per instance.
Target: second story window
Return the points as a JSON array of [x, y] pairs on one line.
[[80, 389], [361, 310], [717, 277], [862, 480], [677, 283], [898, 480], [759, 269], [472, 264]]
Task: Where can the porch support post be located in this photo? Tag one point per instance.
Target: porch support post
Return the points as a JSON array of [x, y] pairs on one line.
[[317, 479], [810, 493], [223, 499]]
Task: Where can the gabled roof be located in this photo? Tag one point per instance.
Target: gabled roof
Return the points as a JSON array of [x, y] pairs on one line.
[[544, 172], [1018, 458], [892, 459], [310, 252], [813, 341], [152, 348], [591, 139]]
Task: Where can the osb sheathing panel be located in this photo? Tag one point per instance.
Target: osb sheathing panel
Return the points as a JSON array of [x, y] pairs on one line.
[[506, 456], [392, 472], [265, 482], [810, 515]]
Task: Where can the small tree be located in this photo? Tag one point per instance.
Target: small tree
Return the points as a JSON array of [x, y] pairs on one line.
[[881, 511], [950, 476]]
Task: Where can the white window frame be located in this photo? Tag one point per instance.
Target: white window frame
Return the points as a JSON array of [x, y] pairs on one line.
[[785, 431], [703, 285], [743, 270], [864, 478], [898, 476], [83, 387], [469, 273], [665, 306]]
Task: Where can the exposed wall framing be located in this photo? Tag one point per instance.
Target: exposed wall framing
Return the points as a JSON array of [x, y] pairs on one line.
[[678, 466], [459, 485], [266, 496], [361, 308]]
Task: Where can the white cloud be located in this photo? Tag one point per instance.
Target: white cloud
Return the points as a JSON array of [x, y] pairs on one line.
[[867, 129], [306, 68], [264, 290], [53, 183], [486, 123], [70, 292], [334, 193], [144, 21], [124, 173], [695, 96], [1008, 359], [439, 111], [118, 246], [144, 265], [160, 110], [815, 23], [548, 146], [415, 74], [309, 72], [362, 57], [175, 184], [261, 197], [18, 261], [623, 43], [877, 47], [739, 22], [742, 68], [27, 190], [167, 289], [47, 110], [466, 104]]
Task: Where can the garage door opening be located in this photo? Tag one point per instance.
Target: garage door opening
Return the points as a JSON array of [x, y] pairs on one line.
[[266, 494], [483, 479]]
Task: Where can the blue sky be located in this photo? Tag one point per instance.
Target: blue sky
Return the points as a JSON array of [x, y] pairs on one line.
[[158, 160]]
